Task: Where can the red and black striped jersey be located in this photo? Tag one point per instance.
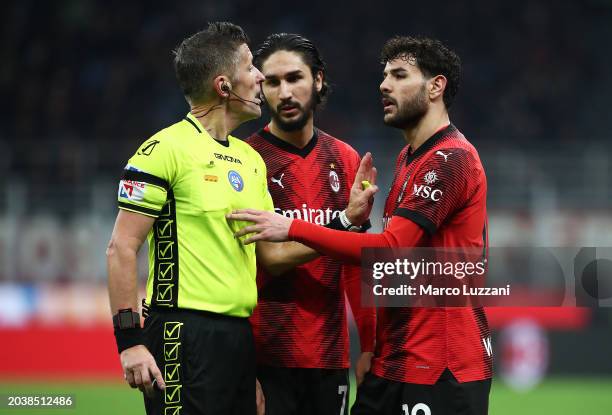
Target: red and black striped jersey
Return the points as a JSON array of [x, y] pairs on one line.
[[442, 187], [300, 319]]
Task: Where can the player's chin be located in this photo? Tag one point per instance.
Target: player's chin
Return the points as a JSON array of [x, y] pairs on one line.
[[388, 118]]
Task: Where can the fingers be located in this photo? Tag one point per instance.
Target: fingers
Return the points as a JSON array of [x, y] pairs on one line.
[[373, 176], [254, 238], [370, 192], [364, 166], [248, 217], [248, 229], [156, 373], [137, 379], [129, 376], [254, 212], [147, 386]]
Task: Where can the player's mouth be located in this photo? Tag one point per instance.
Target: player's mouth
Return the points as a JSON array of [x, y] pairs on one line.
[[388, 104], [289, 110]]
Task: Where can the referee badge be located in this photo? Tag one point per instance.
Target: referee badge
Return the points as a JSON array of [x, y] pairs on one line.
[[235, 180]]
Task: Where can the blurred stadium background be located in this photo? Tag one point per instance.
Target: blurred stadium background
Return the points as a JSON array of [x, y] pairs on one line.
[[84, 82]]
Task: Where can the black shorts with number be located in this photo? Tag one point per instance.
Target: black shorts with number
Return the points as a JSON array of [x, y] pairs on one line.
[[378, 396], [207, 361], [303, 391]]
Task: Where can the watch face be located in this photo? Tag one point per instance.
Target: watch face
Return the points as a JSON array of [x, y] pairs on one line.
[[125, 320]]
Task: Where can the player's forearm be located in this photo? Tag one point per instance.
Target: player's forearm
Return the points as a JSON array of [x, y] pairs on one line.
[[278, 258], [347, 246], [121, 260]]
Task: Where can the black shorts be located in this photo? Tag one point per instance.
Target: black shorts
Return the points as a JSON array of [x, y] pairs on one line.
[[207, 360], [302, 391], [378, 396]]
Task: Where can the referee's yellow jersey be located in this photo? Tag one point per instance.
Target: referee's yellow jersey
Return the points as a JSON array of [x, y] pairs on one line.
[[189, 181]]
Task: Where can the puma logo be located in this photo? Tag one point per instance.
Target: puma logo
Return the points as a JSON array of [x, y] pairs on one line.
[[443, 155], [278, 181]]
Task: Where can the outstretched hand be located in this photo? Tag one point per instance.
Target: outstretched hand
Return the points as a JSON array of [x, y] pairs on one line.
[[267, 226], [362, 199]]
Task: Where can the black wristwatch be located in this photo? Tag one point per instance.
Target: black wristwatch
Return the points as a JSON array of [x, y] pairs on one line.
[[126, 319]]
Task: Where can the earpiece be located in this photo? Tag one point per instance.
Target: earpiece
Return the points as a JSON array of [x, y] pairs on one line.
[[227, 88]]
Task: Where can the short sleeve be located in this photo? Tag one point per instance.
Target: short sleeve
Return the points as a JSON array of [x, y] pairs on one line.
[[439, 187], [146, 179]]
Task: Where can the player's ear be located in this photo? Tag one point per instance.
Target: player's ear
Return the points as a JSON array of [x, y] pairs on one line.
[[318, 80], [222, 86], [436, 85]]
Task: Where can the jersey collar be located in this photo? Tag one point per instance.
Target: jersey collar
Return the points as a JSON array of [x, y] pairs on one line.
[[290, 148], [191, 119], [430, 142]]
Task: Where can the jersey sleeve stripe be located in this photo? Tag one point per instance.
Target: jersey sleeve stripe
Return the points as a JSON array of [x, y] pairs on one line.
[[417, 218], [140, 176], [139, 209]]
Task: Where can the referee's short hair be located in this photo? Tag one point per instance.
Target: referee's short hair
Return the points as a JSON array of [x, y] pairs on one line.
[[206, 54]]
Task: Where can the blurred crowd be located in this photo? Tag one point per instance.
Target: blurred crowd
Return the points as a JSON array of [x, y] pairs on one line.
[[85, 81]]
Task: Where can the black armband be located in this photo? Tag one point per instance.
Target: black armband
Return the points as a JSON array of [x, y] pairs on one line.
[[127, 338]]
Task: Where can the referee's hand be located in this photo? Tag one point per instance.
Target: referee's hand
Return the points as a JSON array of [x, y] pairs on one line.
[[140, 369]]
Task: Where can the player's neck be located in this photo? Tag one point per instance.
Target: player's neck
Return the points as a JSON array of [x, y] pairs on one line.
[[299, 138], [431, 123], [215, 119]]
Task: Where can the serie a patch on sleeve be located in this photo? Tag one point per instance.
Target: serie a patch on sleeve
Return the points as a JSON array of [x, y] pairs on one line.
[[130, 189]]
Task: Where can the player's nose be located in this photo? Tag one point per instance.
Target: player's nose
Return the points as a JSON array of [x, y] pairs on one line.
[[284, 90], [384, 86]]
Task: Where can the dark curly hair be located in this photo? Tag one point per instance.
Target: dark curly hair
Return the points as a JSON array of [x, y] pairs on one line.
[[295, 43], [432, 58], [205, 55]]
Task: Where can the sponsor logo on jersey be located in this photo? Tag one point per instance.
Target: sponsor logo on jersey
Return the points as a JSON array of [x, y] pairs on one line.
[[235, 180], [316, 216], [427, 192], [231, 159], [278, 181], [430, 177], [439, 153], [211, 178], [334, 181]]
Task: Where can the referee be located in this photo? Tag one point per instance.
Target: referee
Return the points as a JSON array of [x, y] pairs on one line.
[[196, 343]]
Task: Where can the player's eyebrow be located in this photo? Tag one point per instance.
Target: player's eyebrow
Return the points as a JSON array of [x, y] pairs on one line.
[[287, 75], [397, 71]]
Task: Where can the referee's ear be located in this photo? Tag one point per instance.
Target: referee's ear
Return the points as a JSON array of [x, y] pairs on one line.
[[436, 87], [222, 86]]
